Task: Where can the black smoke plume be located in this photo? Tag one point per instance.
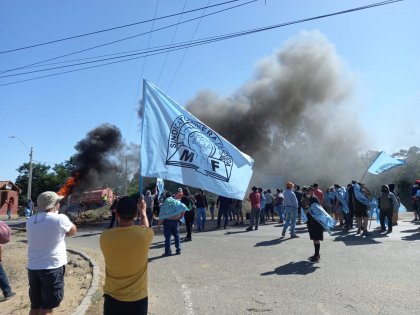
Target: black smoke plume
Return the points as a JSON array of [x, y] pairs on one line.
[[295, 117], [94, 159]]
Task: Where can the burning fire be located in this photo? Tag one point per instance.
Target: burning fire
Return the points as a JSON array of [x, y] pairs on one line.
[[68, 186]]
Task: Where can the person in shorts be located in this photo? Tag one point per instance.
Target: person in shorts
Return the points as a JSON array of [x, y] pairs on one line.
[[47, 254]]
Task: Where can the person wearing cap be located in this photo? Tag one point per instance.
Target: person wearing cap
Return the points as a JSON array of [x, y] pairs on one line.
[[179, 194], [125, 250], [291, 210], [254, 199], [47, 254]]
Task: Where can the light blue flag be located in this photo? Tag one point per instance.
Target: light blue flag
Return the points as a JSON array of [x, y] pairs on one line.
[[171, 207], [322, 217], [383, 163], [177, 146], [160, 186], [340, 194]]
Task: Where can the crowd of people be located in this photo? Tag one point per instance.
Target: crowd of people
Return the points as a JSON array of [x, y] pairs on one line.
[[125, 249]]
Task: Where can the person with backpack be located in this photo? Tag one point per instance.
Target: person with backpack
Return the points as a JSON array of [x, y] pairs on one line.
[[188, 200], [387, 203]]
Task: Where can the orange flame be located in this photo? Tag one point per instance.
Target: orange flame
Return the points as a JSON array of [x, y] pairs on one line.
[[68, 186]]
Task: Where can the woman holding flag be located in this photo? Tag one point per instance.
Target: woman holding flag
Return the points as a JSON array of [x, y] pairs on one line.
[[316, 231]]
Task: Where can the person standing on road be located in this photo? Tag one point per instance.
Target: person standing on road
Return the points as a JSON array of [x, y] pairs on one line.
[[5, 235], [149, 199], [113, 209], [279, 204], [125, 250], [316, 231], [413, 200], [47, 254], [202, 206], [9, 203], [254, 198], [299, 195], [387, 204], [291, 209], [223, 203], [237, 206], [188, 200], [358, 203], [262, 205], [171, 211], [269, 199]]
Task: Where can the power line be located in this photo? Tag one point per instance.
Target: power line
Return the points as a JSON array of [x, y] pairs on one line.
[[113, 28], [208, 40], [126, 38], [185, 52], [172, 41]]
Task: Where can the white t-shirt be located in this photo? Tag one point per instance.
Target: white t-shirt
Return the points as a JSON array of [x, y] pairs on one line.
[[46, 247]]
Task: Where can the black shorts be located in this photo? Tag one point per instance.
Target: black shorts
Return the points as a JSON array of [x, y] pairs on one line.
[[46, 287], [115, 307]]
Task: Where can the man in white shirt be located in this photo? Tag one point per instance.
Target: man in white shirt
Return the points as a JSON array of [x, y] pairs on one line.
[[47, 254]]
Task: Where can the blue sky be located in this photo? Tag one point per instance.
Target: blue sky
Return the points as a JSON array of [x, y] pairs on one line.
[[379, 47]]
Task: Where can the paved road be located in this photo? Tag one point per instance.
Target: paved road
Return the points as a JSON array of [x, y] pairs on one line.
[[236, 272]]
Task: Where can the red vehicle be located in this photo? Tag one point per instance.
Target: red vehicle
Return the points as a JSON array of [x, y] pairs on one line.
[[93, 199]]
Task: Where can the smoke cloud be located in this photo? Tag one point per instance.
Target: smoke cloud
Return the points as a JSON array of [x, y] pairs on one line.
[[295, 116], [95, 160]]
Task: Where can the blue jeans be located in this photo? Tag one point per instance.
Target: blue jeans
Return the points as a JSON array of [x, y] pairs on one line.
[[4, 282], [291, 214], [201, 218], [280, 211], [225, 213], [171, 227]]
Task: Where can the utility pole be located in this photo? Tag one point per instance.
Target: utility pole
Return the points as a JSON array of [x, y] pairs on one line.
[[31, 152], [125, 178], [30, 174]]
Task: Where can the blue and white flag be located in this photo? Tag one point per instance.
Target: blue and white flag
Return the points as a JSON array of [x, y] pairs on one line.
[[340, 194], [322, 217], [170, 208], [179, 147], [383, 163], [160, 186]]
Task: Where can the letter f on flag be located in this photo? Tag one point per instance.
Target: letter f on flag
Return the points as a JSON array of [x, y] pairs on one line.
[[177, 146]]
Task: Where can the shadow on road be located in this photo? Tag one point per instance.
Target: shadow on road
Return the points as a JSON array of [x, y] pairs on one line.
[[353, 240], [275, 241], [293, 268], [87, 235], [412, 237], [410, 231]]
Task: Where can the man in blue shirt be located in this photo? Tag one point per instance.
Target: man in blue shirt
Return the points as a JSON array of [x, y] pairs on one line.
[[291, 210]]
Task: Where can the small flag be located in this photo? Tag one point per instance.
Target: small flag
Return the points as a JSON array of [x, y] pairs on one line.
[[160, 186], [383, 163], [179, 147]]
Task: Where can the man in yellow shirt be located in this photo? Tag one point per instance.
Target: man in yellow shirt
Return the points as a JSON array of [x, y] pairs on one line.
[[125, 250]]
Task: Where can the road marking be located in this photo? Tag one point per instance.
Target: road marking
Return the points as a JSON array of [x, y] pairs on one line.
[[186, 294]]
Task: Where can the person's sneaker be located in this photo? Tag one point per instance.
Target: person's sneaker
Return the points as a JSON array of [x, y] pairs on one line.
[[187, 239], [294, 236], [249, 228], [314, 259], [256, 228], [178, 252], [365, 233], [166, 254], [389, 231], [10, 295], [283, 233]]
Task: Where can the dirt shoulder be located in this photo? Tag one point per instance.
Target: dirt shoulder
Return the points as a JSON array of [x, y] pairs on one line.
[[77, 281]]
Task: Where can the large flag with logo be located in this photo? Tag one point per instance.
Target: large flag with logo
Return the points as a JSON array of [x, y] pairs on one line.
[[383, 163], [177, 146]]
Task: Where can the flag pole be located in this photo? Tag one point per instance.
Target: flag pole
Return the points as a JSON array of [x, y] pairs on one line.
[[143, 104]]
